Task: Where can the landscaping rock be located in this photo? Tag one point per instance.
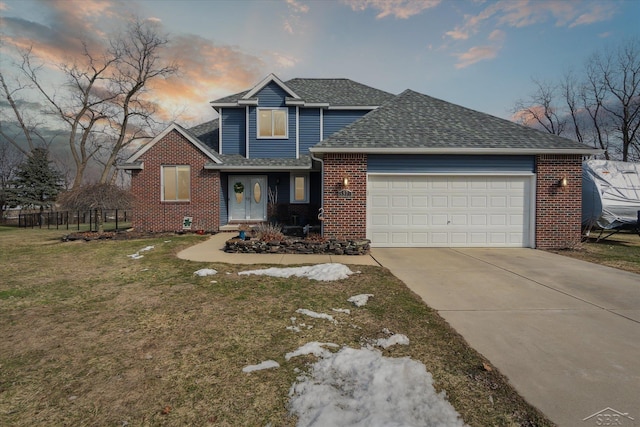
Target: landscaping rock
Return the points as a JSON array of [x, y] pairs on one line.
[[299, 246]]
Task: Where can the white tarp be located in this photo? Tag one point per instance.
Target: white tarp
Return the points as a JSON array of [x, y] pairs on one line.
[[610, 193]]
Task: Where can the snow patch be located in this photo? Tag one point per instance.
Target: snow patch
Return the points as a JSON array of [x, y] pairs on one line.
[[360, 300], [397, 339], [316, 348], [321, 272], [363, 388], [205, 272], [315, 315], [267, 364]]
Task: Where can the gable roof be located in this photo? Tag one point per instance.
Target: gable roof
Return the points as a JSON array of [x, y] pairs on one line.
[[133, 162], [417, 123], [327, 93]]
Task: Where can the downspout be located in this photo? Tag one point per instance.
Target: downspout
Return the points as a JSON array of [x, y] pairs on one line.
[[321, 192]]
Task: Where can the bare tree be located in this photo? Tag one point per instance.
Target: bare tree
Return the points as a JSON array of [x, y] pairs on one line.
[[139, 63], [602, 103], [541, 109], [620, 73], [27, 128], [103, 103]]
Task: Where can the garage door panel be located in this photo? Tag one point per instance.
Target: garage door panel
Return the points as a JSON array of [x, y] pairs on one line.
[[449, 211]]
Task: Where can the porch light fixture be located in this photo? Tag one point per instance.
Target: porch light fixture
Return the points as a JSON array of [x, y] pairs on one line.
[[345, 182], [563, 182]]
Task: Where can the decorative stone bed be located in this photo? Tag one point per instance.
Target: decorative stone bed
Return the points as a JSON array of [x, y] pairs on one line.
[[298, 246]]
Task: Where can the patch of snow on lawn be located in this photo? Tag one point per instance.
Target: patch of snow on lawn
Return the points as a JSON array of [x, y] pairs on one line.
[[267, 364], [315, 315], [392, 340], [146, 248], [341, 310], [316, 348], [360, 300], [363, 388], [321, 272], [135, 256], [205, 272]]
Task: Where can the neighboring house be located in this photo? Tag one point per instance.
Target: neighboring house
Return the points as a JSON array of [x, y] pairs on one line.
[[401, 170]]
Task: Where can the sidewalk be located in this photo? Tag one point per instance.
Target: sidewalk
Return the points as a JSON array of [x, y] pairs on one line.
[[213, 251]]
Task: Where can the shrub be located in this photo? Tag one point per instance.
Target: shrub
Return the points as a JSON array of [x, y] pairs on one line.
[[268, 232]]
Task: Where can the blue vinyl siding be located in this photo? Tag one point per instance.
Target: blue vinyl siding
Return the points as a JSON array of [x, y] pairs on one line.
[[309, 128], [272, 148], [449, 164], [233, 131], [271, 95], [334, 120]]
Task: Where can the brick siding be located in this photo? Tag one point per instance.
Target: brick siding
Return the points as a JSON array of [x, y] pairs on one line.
[[151, 213], [558, 209], [345, 217]]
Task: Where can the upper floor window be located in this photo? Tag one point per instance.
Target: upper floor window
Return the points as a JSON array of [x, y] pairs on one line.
[[272, 123], [176, 183]]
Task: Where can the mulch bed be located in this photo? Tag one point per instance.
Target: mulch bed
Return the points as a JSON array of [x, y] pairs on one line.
[[113, 235]]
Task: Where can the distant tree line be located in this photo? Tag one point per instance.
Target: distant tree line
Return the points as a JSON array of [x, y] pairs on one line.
[[598, 104]]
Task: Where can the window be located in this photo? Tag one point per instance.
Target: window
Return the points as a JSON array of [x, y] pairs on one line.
[[299, 188], [272, 123], [176, 183]]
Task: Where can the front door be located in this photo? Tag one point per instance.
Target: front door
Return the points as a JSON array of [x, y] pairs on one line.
[[247, 198]]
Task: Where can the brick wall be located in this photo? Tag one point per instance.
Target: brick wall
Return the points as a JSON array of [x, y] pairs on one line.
[[345, 216], [558, 209], [151, 213]]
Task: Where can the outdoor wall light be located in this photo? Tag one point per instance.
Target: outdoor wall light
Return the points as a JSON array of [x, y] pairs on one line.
[[563, 182], [345, 182]]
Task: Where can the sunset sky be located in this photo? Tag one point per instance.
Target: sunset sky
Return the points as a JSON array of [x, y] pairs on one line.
[[476, 53]]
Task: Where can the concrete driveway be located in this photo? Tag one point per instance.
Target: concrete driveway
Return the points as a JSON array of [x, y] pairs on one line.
[[565, 332]]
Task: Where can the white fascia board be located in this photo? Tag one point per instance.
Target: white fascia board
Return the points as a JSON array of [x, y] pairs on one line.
[[475, 151], [253, 101], [223, 104], [316, 104], [295, 103], [164, 133], [270, 78]]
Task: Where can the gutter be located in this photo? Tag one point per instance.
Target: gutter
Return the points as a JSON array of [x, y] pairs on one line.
[[321, 190]]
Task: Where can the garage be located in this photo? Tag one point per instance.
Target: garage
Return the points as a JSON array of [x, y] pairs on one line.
[[433, 210]]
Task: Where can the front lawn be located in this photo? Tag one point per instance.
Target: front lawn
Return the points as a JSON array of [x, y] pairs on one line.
[[91, 336], [621, 250]]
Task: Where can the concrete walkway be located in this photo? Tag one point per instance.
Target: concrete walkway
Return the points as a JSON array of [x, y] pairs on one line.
[[565, 332], [212, 251]]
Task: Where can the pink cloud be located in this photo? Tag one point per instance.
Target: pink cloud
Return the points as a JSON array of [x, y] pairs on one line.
[[402, 9], [522, 13], [476, 54]]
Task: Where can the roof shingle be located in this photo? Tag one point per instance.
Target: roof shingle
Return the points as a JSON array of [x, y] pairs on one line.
[[416, 121]]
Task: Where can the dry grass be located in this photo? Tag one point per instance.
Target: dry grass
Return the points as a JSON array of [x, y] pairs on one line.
[[620, 250], [91, 337]]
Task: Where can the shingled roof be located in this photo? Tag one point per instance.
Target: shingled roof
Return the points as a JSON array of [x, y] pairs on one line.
[[333, 92], [417, 123]]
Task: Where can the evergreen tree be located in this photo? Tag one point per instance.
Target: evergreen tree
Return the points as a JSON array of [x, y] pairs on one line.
[[37, 182]]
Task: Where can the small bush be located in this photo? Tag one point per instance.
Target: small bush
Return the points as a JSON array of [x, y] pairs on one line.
[[268, 232]]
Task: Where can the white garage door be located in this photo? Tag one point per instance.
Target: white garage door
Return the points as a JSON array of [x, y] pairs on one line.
[[449, 211]]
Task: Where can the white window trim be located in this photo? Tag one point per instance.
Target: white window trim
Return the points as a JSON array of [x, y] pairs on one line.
[[286, 123], [292, 188], [162, 184]]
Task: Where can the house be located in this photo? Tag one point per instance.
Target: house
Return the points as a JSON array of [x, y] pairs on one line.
[[401, 170]]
